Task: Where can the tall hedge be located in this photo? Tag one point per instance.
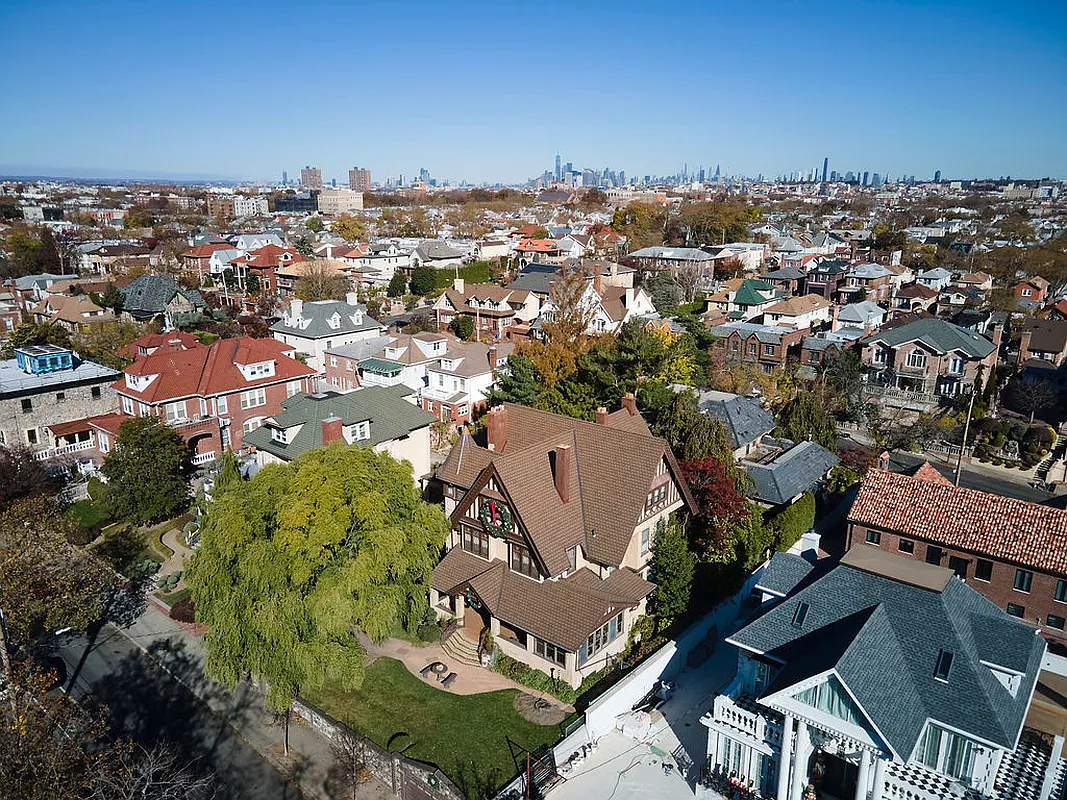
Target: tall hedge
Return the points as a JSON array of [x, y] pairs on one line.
[[792, 522]]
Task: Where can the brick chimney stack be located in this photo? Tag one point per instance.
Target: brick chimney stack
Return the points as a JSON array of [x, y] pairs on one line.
[[598, 286], [332, 430], [629, 402], [561, 471], [491, 356], [497, 428], [601, 416], [1024, 344]]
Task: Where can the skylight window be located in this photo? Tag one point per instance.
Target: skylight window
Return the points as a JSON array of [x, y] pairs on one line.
[[944, 665], [800, 614]]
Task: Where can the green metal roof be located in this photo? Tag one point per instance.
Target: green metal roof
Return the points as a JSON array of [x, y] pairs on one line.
[[381, 366]]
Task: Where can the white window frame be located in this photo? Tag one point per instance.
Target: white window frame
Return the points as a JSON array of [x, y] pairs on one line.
[[127, 405], [222, 405], [254, 398], [175, 412], [916, 359], [251, 424]]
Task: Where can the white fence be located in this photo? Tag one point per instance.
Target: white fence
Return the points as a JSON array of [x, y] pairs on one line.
[[62, 450]]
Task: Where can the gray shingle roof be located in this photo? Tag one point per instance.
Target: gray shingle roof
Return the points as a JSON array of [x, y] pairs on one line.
[[783, 574], [784, 274], [536, 278], [319, 311], [939, 335], [795, 471], [436, 251], [883, 636], [745, 419], [149, 294], [862, 312], [390, 415]]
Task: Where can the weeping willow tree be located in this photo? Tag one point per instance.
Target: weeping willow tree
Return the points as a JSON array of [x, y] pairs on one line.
[[294, 560]]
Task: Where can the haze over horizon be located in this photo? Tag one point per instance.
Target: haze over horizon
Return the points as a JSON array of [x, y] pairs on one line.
[[487, 93]]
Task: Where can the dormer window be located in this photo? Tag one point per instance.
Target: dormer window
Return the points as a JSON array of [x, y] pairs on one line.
[[280, 435], [334, 321], [361, 431]]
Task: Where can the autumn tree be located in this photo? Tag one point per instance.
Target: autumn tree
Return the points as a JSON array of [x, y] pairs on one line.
[[320, 281], [31, 333], [721, 508], [805, 417], [571, 315], [147, 471], [641, 223], [349, 227], [314, 224], [294, 560]]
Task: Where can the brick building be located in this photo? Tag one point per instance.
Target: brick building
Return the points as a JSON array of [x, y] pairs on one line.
[[1010, 551], [212, 396]]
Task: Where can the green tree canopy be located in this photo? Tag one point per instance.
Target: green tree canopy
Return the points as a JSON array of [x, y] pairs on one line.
[[671, 569], [423, 279], [112, 297], [30, 333], [804, 417], [293, 560], [463, 326], [314, 224], [147, 470], [397, 285], [349, 228]]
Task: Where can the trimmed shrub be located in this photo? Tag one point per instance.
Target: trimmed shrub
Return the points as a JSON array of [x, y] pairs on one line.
[[535, 679], [792, 522]]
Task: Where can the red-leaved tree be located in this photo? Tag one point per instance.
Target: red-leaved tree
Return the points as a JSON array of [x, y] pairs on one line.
[[721, 505]]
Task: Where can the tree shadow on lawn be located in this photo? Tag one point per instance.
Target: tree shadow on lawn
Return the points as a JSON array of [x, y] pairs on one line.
[[148, 704]]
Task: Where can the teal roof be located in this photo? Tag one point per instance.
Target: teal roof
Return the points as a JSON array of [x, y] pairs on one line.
[[381, 366], [748, 293], [384, 407], [938, 335]]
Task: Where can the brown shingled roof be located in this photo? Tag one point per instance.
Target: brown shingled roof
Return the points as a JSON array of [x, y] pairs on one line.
[[965, 519]]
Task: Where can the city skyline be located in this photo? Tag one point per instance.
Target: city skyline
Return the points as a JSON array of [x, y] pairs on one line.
[[916, 96]]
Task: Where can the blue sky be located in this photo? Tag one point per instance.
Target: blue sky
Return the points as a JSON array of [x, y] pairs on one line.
[[490, 91]]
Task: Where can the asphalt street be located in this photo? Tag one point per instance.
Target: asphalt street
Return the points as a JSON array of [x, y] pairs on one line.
[[149, 704]]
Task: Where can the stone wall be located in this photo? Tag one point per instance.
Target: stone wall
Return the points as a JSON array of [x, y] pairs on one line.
[[393, 769]]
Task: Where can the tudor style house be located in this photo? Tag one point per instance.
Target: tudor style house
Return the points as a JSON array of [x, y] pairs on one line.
[[552, 531], [929, 356], [1011, 551], [883, 679], [493, 308], [211, 396]]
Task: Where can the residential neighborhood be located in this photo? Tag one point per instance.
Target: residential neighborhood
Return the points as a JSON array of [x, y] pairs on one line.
[[506, 466]]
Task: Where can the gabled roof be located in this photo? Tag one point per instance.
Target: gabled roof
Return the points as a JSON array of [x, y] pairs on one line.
[[783, 573], [150, 294], [795, 306], [749, 293], [784, 274], [390, 416], [745, 419], [880, 626], [863, 312], [612, 472], [938, 335], [673, 253], [1007, 529], [351, 319], [868, 271], [793, 472], [1046, 335], [436, 251], [173, 341], [485, 291], [211, 371], [917, 291]]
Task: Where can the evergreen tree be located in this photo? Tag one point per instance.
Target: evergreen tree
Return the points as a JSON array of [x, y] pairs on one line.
[[112, 297], [671, 569], [803, 418], [397, 285], [423, 280]]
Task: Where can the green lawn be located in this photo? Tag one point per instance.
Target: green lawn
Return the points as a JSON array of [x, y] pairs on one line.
[[463, 735], [89, 514], [173, 598]]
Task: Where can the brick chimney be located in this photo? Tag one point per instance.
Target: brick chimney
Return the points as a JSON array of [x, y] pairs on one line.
[[1024, 344], [598, 285], [497, 428], [602, 416], [629, 402], [491, 356], [561, 471], [998, 332], [332, 430]]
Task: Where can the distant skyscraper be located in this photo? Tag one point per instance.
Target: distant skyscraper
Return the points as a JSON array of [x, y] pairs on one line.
[[866, 176], [311, 177], [701, 176], [937, 176], [424, 175], [359, 179], [559, 168], [825, 166], [717, 172], [285, 178], [876, 179]]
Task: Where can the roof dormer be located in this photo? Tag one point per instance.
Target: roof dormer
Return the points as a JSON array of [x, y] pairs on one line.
[[257, 370], [334, 321], [139, 383], [356, 317]]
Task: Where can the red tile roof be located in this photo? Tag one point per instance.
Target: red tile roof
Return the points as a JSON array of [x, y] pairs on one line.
[[208, 372], [204, 250], [537, 246], [965, 519], [156, 342]]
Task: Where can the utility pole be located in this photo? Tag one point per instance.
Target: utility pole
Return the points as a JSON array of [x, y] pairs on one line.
[[966, 428]]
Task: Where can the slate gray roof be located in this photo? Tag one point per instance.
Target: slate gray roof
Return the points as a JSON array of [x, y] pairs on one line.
[[861, 312], [745, 420], [390, 416], [436, 251], [673, 253], [784, 274], [42, 279], [14, 382], [771, 334], [795, 471], [364, 348], [939, 335], [783, 574], [869, 271], [319, 311], [883, 638], [149, 294], [536, 278]]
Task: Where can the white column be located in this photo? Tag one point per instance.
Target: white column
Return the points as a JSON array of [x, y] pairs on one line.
[[800, 761], [864, 776], [785, 758], [879, 778]]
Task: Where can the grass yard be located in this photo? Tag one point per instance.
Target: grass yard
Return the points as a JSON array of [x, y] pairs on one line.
[[173, 598], [463, 735]]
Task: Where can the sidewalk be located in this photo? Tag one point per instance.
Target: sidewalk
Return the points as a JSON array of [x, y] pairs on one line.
[[243, 707]]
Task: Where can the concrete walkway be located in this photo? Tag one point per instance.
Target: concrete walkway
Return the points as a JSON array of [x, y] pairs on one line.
[[469, 679], [179, 553]]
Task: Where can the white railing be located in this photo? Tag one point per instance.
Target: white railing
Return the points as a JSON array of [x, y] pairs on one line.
[[62, 450], [203, 458], [726, 711]]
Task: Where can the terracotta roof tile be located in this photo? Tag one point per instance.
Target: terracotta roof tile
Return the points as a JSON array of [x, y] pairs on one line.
[[966, 519]]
